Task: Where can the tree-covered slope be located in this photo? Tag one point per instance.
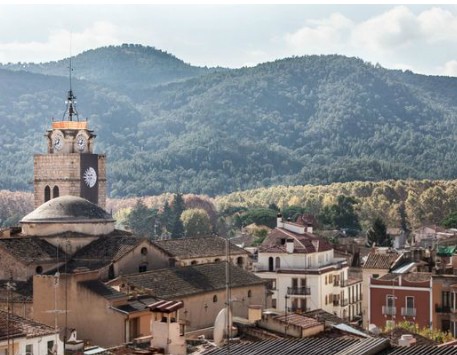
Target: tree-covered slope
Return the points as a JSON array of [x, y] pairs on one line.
[[314, 119]]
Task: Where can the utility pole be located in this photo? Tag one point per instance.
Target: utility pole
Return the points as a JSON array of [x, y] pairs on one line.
[[10, 286]]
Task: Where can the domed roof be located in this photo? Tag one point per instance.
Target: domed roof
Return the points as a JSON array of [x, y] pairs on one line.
[[67, 209]]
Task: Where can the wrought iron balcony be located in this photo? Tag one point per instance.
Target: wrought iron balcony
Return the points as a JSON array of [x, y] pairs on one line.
[[298, 291], [442, 309], [389, 311], [298, 310], [408, 312]]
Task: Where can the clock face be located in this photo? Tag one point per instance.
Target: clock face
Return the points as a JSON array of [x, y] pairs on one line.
[[90, 177], [81, 142], [57, 141]]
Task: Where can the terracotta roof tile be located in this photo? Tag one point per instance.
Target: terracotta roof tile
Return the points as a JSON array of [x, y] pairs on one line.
[[197, 247], [380, 261], [176, 282], [303, 243], [31, 249], [21, 327]]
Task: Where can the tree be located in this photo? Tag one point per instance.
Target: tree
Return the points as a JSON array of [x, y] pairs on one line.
[[178, 208], [377, 234], [341, 215], [142, 220], [450, 221], [196, 222], [260, 216]]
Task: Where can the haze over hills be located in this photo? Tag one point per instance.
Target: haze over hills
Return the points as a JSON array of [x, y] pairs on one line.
[[168, 126]]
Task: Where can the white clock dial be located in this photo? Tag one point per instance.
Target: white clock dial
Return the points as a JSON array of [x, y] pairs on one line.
[[81, 142], [90, 177]]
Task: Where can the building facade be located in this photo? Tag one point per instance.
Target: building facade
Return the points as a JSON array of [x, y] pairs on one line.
[[303, 273]]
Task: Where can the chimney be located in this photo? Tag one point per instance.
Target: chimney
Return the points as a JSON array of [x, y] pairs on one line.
[[406, 340], [279, 222], [290, 246], [309, 228]]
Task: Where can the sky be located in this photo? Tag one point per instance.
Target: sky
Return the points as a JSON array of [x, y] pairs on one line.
[[417, 37]]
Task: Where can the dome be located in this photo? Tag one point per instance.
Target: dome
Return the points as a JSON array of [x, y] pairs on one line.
[[67, 214], [67, 209]]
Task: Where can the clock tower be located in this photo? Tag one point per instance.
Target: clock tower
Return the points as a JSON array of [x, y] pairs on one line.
[[70, 167]]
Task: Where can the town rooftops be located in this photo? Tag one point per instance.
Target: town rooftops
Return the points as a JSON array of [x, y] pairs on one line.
[[31, 250], [380, 260], [197, 247], [172, 283], [14, 326], [308, 346], [298, 320], [304, 243]]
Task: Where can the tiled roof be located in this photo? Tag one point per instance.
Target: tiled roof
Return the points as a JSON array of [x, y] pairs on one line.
[[101, 289], [197, 247], [14, 326], [176, 282], [108, 247], [136, 304], [303, 243], [308, 346], [31, 249], [298, 320], [420, 350], [380, 261]]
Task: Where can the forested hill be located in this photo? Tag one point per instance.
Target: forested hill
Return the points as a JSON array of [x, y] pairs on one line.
[[314, 119]]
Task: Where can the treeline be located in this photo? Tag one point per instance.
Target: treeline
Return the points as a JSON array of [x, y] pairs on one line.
[[405, 204]]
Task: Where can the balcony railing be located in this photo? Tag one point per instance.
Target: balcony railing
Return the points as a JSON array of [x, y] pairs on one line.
[[298, 291], [389, 311], [442, 309], [344, 302], [298, 309], [408, 312]]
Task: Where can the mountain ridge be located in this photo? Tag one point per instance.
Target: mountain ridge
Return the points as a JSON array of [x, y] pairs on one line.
[[293, 121]]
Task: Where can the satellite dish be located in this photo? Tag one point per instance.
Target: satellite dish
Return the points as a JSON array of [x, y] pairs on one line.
[[220, 326]]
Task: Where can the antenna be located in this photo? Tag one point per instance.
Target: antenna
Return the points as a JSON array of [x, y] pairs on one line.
[[71, 99]]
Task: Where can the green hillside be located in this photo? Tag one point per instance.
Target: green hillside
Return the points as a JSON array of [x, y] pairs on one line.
[[168, 126]]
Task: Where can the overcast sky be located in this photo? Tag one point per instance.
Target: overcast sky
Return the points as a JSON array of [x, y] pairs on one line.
[[422, 38]]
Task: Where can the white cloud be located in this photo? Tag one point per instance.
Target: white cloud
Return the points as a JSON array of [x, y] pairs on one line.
[[320, 36], [395, 28], [57, 45], [449, 68], [438, 25]]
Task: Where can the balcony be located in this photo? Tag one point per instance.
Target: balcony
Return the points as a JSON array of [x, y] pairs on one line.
[[344, 302], [298, 310], [298, 291], [389, 311], [336, 302], [343, 283], [408, 312], [442, 309], [336, 282]]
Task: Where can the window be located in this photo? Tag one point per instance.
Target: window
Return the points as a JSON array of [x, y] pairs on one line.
[[326, 279], [144, 251], [142, 268], [240, 261], [409, 302], [249, 293], [50, 347], [214, 298], [278, 262], [270, 263], [47, 194], [326, 299], [390, 301], [29, 349], [55, 192], [39, 270]]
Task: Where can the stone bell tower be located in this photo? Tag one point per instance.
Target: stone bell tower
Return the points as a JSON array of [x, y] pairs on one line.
[[70, 167]]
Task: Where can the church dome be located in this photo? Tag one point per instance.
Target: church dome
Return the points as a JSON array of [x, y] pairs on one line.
[[67, 213], [66, 209]]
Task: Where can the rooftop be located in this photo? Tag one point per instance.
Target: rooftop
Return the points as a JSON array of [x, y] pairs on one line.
[[197, 247], [176, 282], [303, 243], [31, 250], [380, 260], [14, 326], [67, 209]]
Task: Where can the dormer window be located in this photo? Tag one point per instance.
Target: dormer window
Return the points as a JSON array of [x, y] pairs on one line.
[[283, 241]]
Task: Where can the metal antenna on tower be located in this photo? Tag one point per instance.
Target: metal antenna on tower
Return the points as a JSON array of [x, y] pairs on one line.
[[71, 99]]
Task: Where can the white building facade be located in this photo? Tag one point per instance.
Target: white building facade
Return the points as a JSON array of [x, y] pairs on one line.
[[303, 273]]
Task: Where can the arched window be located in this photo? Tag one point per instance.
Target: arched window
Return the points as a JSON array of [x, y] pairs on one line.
[[270, 263], [278, 262], [55, 192], [144, 251], [215, 298], [47, 194]]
